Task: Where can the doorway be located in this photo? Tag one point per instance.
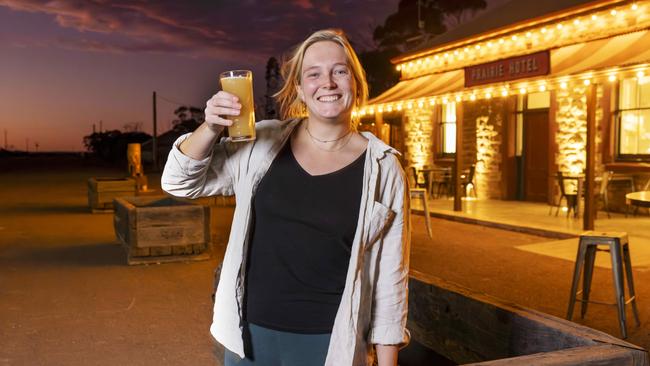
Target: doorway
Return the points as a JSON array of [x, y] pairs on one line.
[[532, 147]]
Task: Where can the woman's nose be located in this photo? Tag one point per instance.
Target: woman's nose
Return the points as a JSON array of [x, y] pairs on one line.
[[329, 81]]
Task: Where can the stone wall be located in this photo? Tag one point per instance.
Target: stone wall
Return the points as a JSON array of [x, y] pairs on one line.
[[487, 119], [418, 137]]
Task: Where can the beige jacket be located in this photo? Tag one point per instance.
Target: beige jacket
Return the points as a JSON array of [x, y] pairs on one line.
[[374, 305]]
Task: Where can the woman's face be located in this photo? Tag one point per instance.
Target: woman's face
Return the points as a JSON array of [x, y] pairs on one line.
[[326, 83]]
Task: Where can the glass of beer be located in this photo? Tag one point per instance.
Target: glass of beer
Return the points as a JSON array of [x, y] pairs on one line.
[[240, 84]]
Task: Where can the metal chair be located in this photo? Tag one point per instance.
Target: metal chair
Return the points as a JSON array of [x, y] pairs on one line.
[[467, 180], [571, 198], [419, 193], [619, 251]]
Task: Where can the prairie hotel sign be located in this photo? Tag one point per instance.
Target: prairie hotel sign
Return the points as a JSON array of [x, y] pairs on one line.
[[519, 67]]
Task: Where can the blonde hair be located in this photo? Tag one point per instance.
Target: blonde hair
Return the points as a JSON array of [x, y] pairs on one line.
[[290, 103]]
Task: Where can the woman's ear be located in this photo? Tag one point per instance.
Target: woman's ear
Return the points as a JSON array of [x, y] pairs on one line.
[[300, 93]]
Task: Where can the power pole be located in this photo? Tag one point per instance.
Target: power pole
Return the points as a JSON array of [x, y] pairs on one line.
[[154, 139], [6, 146]]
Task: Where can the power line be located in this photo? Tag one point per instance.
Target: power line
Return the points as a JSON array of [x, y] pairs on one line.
[[169, 100]]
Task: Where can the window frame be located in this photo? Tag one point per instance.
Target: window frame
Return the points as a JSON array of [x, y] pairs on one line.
[[618, 116]]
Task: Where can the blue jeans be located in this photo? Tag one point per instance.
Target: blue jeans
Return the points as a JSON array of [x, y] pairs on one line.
[[268, 347]]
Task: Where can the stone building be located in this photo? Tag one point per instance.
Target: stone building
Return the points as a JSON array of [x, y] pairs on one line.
[[520, 78]]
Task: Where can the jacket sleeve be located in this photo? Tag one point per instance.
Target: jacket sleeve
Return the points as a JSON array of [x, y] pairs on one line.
[[187, 177], [390, 298]]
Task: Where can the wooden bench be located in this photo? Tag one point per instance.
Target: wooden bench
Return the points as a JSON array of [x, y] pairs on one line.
[[471, 328], [102, 192], [162, 229]]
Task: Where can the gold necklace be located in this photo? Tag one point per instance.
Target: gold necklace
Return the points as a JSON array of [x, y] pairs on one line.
[[324, 141], [314, 140]]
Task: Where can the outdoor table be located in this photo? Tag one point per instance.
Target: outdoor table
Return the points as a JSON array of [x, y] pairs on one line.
[[638, 199]]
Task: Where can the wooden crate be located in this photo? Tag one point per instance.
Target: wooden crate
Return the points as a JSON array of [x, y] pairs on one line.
[[467, 327], [162, 229], [102, 192]]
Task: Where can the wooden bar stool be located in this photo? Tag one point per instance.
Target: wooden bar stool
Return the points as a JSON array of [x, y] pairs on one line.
[[619, 251], [421, 193]]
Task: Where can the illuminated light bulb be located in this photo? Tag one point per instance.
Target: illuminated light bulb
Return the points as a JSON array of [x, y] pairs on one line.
[[362, 112], [472, 97], [635, 6], [380, 109], [458, 98], [420, 104], [436, 57], [504, 93], [390, 108], [354, 113], [410, 64], [432, 101], [587, 81], [522, 90], [478, 46], [398, 67], [542, 88], [514, 38], [399, 107], [613, 12], [488, 95], [559, 26], [543, 30], [427, 60], [576, 22], [409, 105], [446, 54], [528, 34], [621, 13], [466, 49], [612, 77], [640, 74], [456, 52], [419, 62], [371, 111], [444, 100], [489, 44], [594, 17], [563, 85]]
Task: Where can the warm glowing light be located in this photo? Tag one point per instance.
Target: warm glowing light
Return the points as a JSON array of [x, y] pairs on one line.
[[543, 30], [409, 105], [563, 85], [389, 108], [427, 60], [478, 46], [501, 40], [398, 67], [466, 49], [380, 109], [504, 93], [587, 81], [489, 44], [399, 107], [456, 52], [613, 12], [576, 22], [436, 57], [542, 88], [419, 62], [640, 74], [612, 77], [594, 17], [635, 6], [420, 104], [559, 26], [458, 98], [472, 97], [488, 95], [446, 54], [410, 64], [514, 38], [371, 111], [432, 101], [522, 90], [444, 100], [528, 34]]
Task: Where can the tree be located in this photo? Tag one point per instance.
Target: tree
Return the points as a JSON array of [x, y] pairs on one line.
[[413, 20], [456, 10], [187, 119], [112, 145], [273, 82]]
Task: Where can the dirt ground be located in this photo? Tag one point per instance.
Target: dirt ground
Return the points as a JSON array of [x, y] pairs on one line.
[[67, 296]]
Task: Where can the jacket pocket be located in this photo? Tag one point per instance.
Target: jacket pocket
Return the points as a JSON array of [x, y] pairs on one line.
[[381, 218]]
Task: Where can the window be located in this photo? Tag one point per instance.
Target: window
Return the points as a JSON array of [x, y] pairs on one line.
[[633, 119], [448, 128]]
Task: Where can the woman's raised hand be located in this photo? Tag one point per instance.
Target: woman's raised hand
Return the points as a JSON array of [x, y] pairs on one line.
[[218, 107]]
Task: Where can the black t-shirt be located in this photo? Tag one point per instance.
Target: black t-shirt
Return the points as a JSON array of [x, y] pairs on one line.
[[299, 252]]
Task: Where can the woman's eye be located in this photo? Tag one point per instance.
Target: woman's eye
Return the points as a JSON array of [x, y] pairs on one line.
[[341, 72], [312, 75]]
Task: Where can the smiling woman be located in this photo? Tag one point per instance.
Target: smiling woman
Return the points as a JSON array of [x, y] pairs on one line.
[[316, 268]]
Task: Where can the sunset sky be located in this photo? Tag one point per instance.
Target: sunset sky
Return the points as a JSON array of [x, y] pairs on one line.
[[67, 64]]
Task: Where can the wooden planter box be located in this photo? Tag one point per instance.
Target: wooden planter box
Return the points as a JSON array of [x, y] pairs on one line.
[[466, 328], [102, 191], [162, 229]]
